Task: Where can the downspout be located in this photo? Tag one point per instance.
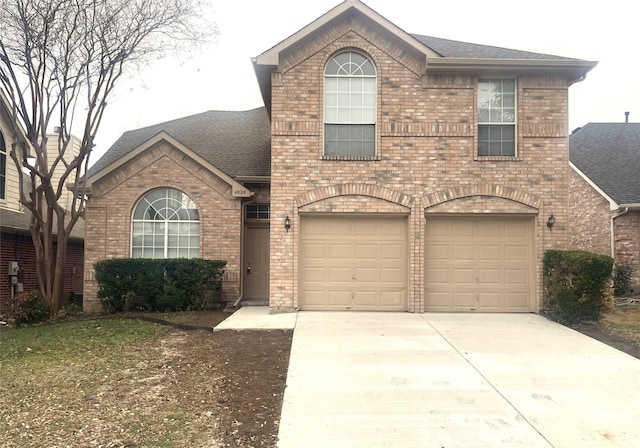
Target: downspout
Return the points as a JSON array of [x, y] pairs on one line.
[[613, 235]]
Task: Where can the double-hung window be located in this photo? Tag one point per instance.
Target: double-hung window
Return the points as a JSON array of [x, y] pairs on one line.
[[497, 117], [350, 106], [166, 224]]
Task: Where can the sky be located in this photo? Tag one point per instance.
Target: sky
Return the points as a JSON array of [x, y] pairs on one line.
[[221, 76]]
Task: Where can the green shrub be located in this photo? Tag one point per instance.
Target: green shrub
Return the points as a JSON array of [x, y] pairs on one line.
[[622, 280], [576, 284], [142, 284], [29, 308]]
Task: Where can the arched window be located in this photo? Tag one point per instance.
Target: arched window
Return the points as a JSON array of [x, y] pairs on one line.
[[3, 166], [165, 224], [350, 106]]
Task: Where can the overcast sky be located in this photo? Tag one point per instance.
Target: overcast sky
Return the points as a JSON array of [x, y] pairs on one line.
[[222, 77]]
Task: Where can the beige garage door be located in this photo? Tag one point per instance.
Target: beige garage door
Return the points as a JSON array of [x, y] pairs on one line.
[[353, 263], [479, 264]]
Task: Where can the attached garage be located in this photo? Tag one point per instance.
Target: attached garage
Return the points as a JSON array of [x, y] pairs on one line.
[[484, 264], [353, 263]]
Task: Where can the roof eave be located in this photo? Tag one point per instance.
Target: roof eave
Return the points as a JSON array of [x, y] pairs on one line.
[[574, 70]]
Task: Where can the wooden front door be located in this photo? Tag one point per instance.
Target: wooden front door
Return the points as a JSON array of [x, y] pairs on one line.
[[256, 263]]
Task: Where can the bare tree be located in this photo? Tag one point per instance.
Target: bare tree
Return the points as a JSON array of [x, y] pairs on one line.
[[60, 61]]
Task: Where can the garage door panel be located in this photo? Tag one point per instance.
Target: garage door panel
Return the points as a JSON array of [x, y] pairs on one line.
[[392, 276], [438, 252], [489, 229], [437, 275], [516, 276], [364, 261], [489, 277], [340, 251], [312, 274], [463, 299], [463, 252], [463, 276], [479, 263], [489, 252], [338, 274], [393, 251], [365, 274], [515, 300], [462, 229], [317, 251], [366, 252], [516, 253]]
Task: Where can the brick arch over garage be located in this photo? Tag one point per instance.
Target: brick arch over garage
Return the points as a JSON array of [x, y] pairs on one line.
[[337, 190], [494, 190]]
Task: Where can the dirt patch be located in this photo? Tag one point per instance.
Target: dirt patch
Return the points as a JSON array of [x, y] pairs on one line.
[[188, 388]]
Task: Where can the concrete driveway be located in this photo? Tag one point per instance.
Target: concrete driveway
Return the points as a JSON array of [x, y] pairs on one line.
[[455, 380]]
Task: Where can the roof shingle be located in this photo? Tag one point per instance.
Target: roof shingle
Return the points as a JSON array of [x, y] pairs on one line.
[[609, 155], [236, 142]]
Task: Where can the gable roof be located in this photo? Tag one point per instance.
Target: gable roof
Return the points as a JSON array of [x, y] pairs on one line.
[[608, 154], [441, 55], [236, 142]]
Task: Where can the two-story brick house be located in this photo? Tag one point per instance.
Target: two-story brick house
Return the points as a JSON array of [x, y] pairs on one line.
[[407, 173]]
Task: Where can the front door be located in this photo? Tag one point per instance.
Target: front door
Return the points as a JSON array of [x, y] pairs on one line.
[[256, 263]]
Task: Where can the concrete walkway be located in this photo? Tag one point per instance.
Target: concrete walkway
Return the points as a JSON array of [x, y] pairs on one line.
[[454, 380]]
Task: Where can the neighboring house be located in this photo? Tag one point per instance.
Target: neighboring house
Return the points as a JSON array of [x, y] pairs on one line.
[[387, 171], [604, 192], [16, 245]]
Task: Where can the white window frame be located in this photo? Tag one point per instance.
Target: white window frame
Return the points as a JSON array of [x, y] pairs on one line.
[[498, 117], [154, 221], [351, 109], [3, 171]]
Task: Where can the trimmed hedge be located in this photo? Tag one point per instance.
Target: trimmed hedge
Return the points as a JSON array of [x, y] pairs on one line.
[[575, 284], [143, 284]]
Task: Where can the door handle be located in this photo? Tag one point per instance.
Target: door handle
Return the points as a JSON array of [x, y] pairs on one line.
[[248, 269]]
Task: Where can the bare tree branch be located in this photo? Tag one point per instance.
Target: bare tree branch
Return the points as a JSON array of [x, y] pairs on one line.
[[61, 60]]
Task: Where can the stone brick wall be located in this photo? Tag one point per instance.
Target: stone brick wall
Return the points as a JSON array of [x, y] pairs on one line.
[[113, 198], [426, 152], [590, 217], [627, 241]]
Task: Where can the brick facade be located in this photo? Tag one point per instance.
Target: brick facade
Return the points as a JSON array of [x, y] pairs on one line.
[[591, 225], [113, 198], [590, 217], [19, 247], [426, 153]]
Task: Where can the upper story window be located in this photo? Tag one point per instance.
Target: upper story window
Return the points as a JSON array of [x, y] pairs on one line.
[[497, 117], [165, 224], [350, 106], [3, 166]]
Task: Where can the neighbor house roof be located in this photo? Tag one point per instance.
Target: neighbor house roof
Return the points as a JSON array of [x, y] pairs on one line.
[[236, 142], [608, 154]]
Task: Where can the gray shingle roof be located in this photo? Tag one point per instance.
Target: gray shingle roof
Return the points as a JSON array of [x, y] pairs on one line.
[[455, 49], [236, 142], [609, 155]]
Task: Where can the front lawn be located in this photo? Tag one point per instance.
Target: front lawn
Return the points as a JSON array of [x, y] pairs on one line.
[[123, 382]]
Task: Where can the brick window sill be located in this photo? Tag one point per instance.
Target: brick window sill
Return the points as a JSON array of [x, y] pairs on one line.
[[351, 158]]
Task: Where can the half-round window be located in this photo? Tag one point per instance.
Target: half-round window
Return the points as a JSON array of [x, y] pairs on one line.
[[165, 224]]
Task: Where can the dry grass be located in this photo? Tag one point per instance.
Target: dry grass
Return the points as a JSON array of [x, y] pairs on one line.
[[623, 321]]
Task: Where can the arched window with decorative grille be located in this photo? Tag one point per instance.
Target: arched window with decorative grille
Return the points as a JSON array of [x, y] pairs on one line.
[[165, 224], [350, 106]]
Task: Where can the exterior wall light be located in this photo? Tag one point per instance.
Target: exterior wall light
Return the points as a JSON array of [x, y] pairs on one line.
[[551, 221], [287, 223]]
